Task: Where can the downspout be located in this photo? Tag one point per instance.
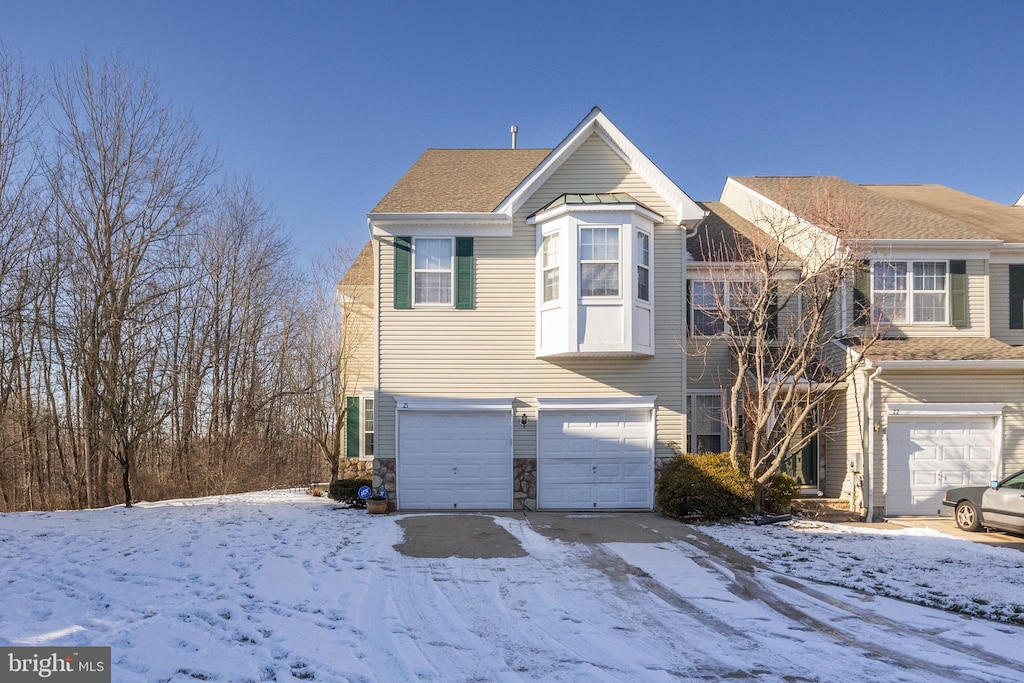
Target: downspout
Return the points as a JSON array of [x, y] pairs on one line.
[[687, 233], [870, 459]]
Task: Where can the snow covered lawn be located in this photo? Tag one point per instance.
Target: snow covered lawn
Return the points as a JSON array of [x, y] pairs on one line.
[[282, 587], [919, 565]]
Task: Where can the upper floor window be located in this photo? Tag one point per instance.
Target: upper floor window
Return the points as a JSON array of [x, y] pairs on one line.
[[432, 271], [909, 291], [706, 300], [549, 259], [599, 262], [643, 266]]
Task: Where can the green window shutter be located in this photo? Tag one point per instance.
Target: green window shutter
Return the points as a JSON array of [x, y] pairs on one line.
[[958, 293], [1016, 297], [352, 427], [403, 272], [464, 272], [772, 332], [862, 294]]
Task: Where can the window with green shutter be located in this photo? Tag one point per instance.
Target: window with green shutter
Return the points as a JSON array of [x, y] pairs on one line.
[[1017, 297], [403, 272], [862, 294], [464, 273], [352, 427], [958, 293]]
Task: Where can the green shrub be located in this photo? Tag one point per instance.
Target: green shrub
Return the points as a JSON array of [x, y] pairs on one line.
[[778, 494], [347, 491], [704, 486]]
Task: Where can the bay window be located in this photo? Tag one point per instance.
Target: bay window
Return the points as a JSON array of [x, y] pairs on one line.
[[599, 261], [549, 261], [643, 266]]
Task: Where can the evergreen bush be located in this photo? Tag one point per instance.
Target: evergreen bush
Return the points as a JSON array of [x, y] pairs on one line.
[[704, 486], [347, 491]]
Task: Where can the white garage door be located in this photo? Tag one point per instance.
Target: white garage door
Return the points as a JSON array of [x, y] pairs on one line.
[[591, 459], [454, 460], [926, 456]]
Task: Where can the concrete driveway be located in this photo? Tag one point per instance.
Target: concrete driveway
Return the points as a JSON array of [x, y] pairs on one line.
[[637, 596], [947, 525]]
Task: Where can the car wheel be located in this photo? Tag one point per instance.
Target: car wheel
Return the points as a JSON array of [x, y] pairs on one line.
[[967, 516]]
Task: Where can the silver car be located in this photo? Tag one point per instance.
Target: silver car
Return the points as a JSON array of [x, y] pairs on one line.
[[997, 506]]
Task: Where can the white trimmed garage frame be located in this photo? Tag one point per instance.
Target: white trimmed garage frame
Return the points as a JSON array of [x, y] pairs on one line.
[[419, 404], [603, 404], [908, 412]]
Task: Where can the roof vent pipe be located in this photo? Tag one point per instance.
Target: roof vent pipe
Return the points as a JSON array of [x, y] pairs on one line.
[[515, 132]]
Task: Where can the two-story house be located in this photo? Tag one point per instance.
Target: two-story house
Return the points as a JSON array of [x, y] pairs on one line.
[[939, 401], [532, 309], [528, 326]]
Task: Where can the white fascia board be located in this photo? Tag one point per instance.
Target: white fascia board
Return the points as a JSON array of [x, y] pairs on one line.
[[454, 224], [433, 403], [566, 209], [597, 403], [1005, 364], [920, 249], [688, 212], [1008, 253], [900, 410]]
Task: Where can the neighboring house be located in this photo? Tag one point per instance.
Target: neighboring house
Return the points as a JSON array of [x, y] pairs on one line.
[[528, 325], [534, 312], [940, 401]]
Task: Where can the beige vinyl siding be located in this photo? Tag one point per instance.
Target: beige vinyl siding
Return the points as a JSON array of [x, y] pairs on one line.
[[937, 386], [490, 351], [999, 300]]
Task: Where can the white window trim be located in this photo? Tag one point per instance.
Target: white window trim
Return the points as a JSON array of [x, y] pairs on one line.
[[363, 398], [451, 275], [617, 227], [909, 291], [690, 436], [554, 236], [649, 267]]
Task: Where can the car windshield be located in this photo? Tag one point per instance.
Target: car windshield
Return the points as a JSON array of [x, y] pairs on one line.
[[1014, 482]]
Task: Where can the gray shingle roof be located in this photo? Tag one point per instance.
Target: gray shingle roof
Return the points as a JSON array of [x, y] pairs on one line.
[[942, 348], [726, 236], [460, 180], [987, 218], [856, 211]]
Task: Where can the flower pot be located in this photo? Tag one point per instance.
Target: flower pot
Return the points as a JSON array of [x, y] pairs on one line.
[[377, 507]]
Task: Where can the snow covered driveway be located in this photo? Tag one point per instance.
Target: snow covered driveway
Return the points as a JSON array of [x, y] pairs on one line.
[[280, 586]]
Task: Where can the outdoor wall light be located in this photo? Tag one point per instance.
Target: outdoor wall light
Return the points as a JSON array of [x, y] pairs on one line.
[[523, 420]]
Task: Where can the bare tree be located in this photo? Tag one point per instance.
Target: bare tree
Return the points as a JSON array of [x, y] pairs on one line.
[[334, 354], [780, 313], [128, 178]]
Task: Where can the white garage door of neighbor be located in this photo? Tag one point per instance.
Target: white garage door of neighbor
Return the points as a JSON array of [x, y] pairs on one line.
[[928, 456], [455, 460], [601, 459]]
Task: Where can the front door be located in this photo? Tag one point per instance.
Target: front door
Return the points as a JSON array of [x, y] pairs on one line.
[[802, 464]]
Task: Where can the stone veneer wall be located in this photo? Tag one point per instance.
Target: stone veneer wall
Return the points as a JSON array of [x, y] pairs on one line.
[[524, 484], [354, 468]]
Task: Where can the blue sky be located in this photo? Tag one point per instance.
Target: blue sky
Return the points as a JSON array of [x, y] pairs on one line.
[[326, 104]]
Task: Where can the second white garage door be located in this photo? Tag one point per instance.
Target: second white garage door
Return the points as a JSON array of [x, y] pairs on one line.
[[926, 456], [595, 459], [455, 460]]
